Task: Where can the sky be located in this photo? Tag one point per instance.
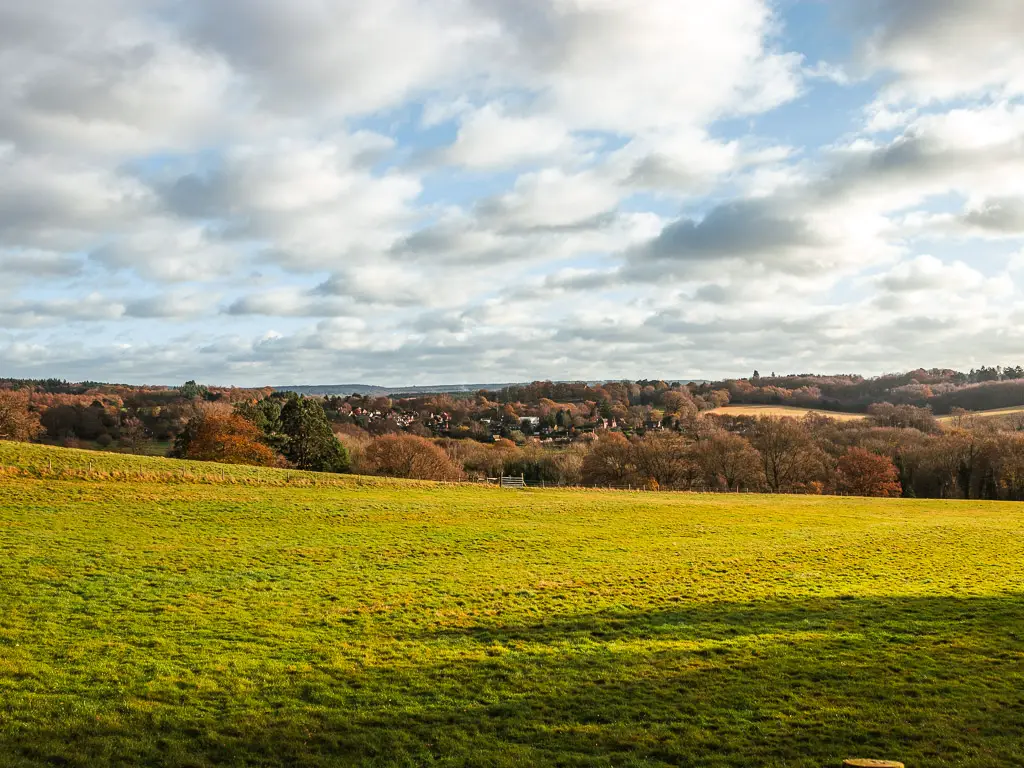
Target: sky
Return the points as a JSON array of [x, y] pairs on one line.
[[403, 192]]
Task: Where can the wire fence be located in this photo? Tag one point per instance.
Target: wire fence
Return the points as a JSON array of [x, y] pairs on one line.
[[520, 482]]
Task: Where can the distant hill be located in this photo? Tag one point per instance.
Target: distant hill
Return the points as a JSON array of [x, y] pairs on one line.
[[371, 389]]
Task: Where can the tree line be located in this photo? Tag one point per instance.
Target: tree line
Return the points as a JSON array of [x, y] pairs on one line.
[[650, 434]]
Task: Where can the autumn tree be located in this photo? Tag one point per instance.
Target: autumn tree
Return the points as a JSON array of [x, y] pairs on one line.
[[409, 456], [788, 456], [667, 459], [133, 433], [728, 461], [610, 462], [1005, 457], [565, 467], [223, 437], [863, 473], [17, 421], [311, 442]]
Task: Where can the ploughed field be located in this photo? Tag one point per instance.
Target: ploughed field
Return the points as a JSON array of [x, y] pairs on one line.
[[163, 613]]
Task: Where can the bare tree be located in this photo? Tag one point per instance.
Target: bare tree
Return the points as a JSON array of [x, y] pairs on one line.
[[133, 434], [729, 461], [786, 452]]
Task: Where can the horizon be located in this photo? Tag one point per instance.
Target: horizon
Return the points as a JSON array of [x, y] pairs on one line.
[[508, 192], [469, 385]]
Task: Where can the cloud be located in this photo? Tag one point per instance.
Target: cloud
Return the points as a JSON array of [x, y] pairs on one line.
[[1003, 216], [39, 264], [490, 138], [943, 49], [552, 199], [615, 66], [927, 273], [174, 305], [102, 78], [504, 189], [343, 57], [734, 230], [290, 303], [168, 254], [52, 311]]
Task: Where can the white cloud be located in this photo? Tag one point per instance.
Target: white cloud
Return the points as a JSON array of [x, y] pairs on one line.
[[503, 189], [169, 254], [944, 49], [490, 138], [552, 198]]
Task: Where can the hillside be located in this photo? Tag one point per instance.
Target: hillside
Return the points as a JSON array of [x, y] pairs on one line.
[[234, 616]]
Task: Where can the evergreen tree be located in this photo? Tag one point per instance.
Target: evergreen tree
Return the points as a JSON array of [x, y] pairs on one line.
[[311, 443], [192, 391], [266, 414]]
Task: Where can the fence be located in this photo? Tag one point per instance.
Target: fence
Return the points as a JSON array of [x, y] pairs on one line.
[[520, 481]]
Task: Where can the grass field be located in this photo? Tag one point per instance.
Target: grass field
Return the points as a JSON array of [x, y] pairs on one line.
[[781, 410], [162, 613]]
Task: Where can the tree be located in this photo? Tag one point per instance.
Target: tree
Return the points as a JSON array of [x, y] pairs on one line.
[[862, 473], [610, 462], [409, 456], [311, 442], [787, 453], [223, 437], [133, 433], [665, 458], [728, 461], [192, 391], [17, 422], [265, 414]]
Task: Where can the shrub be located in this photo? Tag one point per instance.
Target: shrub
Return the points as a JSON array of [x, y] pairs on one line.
[[410, 456]]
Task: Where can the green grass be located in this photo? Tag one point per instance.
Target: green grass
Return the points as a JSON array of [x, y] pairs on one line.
[[236, 617]]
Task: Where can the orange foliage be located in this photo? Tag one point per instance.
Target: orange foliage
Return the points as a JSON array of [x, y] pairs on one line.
[[863, 473], [229, 439], [17, 422], [409, 456]]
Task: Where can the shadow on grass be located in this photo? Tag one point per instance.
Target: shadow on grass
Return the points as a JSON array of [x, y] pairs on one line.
[[931, 681]]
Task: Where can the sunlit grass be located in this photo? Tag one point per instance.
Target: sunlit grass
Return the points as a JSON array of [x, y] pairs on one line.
[[782, 410], [238, 617], [991, 413]]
